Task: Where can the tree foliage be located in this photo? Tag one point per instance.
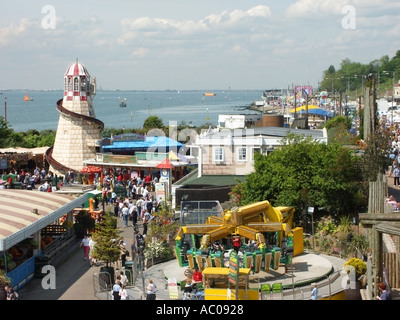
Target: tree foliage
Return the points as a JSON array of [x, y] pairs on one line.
[[376, 156], [305, 173], [153, 122], [338, 130], [107, 241], [29, 139], [5, 133], [350, 74]]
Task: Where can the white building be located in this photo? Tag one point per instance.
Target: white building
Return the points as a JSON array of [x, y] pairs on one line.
[[231, 151]]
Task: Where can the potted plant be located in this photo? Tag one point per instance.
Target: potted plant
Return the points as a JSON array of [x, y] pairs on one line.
[[10, 262], [355, 268], [4, 281]]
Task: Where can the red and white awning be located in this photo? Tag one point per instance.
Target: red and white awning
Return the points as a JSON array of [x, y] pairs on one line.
[[19, 220]]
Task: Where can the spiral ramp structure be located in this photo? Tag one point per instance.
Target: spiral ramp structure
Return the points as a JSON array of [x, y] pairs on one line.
[[78, 130]]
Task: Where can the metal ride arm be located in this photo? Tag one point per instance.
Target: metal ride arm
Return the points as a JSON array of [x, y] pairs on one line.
[[195, 229]]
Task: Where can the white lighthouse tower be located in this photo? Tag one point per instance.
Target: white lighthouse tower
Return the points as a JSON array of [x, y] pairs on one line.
[[78, 129]]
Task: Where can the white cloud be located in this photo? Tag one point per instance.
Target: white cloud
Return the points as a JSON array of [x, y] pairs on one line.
[[140, 52], [11, 34], [253, 45]]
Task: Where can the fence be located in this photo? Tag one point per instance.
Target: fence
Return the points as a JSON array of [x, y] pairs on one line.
[[301, 289]]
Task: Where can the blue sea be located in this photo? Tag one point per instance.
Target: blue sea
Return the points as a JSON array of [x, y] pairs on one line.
[[190, 107]]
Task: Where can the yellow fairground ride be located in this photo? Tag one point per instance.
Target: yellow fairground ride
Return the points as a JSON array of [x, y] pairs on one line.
[[261, 233]]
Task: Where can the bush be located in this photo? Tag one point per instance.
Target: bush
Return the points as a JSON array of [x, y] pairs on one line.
[[158, 250], [359, 266]]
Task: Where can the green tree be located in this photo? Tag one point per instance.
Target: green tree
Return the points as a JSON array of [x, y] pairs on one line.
[[84, 223], [152, 122], [305, 173], [107, 241], [375, 159], [163, 226], [338, 130], [5, 133]]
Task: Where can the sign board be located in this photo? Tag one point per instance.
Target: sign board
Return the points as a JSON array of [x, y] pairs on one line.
[[3, 163], [119, 159], [173, 288], [160, 191], [164, 175]]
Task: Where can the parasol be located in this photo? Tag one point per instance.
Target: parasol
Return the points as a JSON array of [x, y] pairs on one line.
[[165, 164]]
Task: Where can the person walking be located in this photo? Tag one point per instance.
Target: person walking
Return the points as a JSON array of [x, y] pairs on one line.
[[85, 246], [151, 290], [92, 259], [396, 173], [125, 214], [133, 249], [117, 288], [314, 291], [123, 252], [123, 293]]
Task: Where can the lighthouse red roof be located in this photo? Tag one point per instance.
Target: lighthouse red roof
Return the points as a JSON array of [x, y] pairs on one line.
[[76, 69]]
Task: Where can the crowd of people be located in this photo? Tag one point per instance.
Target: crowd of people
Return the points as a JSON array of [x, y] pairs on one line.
[[39, 178]]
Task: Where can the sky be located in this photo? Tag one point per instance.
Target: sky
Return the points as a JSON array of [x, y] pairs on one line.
[[191, 45]]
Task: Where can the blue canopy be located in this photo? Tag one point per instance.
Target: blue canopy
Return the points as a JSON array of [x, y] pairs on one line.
[[160, 144], [319, 112]]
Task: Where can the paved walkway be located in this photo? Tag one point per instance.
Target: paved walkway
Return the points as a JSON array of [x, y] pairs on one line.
[[75, 278]]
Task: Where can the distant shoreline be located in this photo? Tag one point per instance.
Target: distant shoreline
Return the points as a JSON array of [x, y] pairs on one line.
[[137, 90]]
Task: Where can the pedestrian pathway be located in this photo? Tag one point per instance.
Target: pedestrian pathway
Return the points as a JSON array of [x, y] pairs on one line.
[[76, 280]]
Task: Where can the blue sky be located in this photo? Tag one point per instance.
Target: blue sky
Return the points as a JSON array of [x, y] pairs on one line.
[[187, 44]]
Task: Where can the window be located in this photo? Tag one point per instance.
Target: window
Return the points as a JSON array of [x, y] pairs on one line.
[[83, 83], [76, 84], [69, 84], [241, 154], [218, 154]]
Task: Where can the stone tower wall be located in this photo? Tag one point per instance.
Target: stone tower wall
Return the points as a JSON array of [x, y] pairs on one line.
[[75, 138]]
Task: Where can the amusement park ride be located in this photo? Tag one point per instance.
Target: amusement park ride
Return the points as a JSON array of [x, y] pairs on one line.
[[262, 236]]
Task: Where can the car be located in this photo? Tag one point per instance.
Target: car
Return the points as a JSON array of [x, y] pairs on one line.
[[394, 108]]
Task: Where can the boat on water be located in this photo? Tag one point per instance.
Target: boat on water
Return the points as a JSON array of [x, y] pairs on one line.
[[209, 94], [27, 98], [122, 104]]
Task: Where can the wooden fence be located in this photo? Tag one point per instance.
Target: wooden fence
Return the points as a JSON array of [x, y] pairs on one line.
[[392, 265]]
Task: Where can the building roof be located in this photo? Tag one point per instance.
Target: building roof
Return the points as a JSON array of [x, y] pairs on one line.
[[17, 219], [76, 69], [213, 180], [267, 131], [160, 144], [34, 151]]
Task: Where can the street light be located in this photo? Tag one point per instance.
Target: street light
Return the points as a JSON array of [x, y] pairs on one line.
[[348, 90], [5, 109], [362, 82], [310, 211]]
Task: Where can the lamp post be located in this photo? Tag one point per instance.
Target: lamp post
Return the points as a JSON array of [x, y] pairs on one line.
[[310, 211], [348, 90], [5, 109]]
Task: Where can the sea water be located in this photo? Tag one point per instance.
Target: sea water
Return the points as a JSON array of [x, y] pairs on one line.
[[190, 107]]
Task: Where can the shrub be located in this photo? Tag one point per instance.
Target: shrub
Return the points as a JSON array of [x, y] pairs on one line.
[[359, 266], [158, 249]]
